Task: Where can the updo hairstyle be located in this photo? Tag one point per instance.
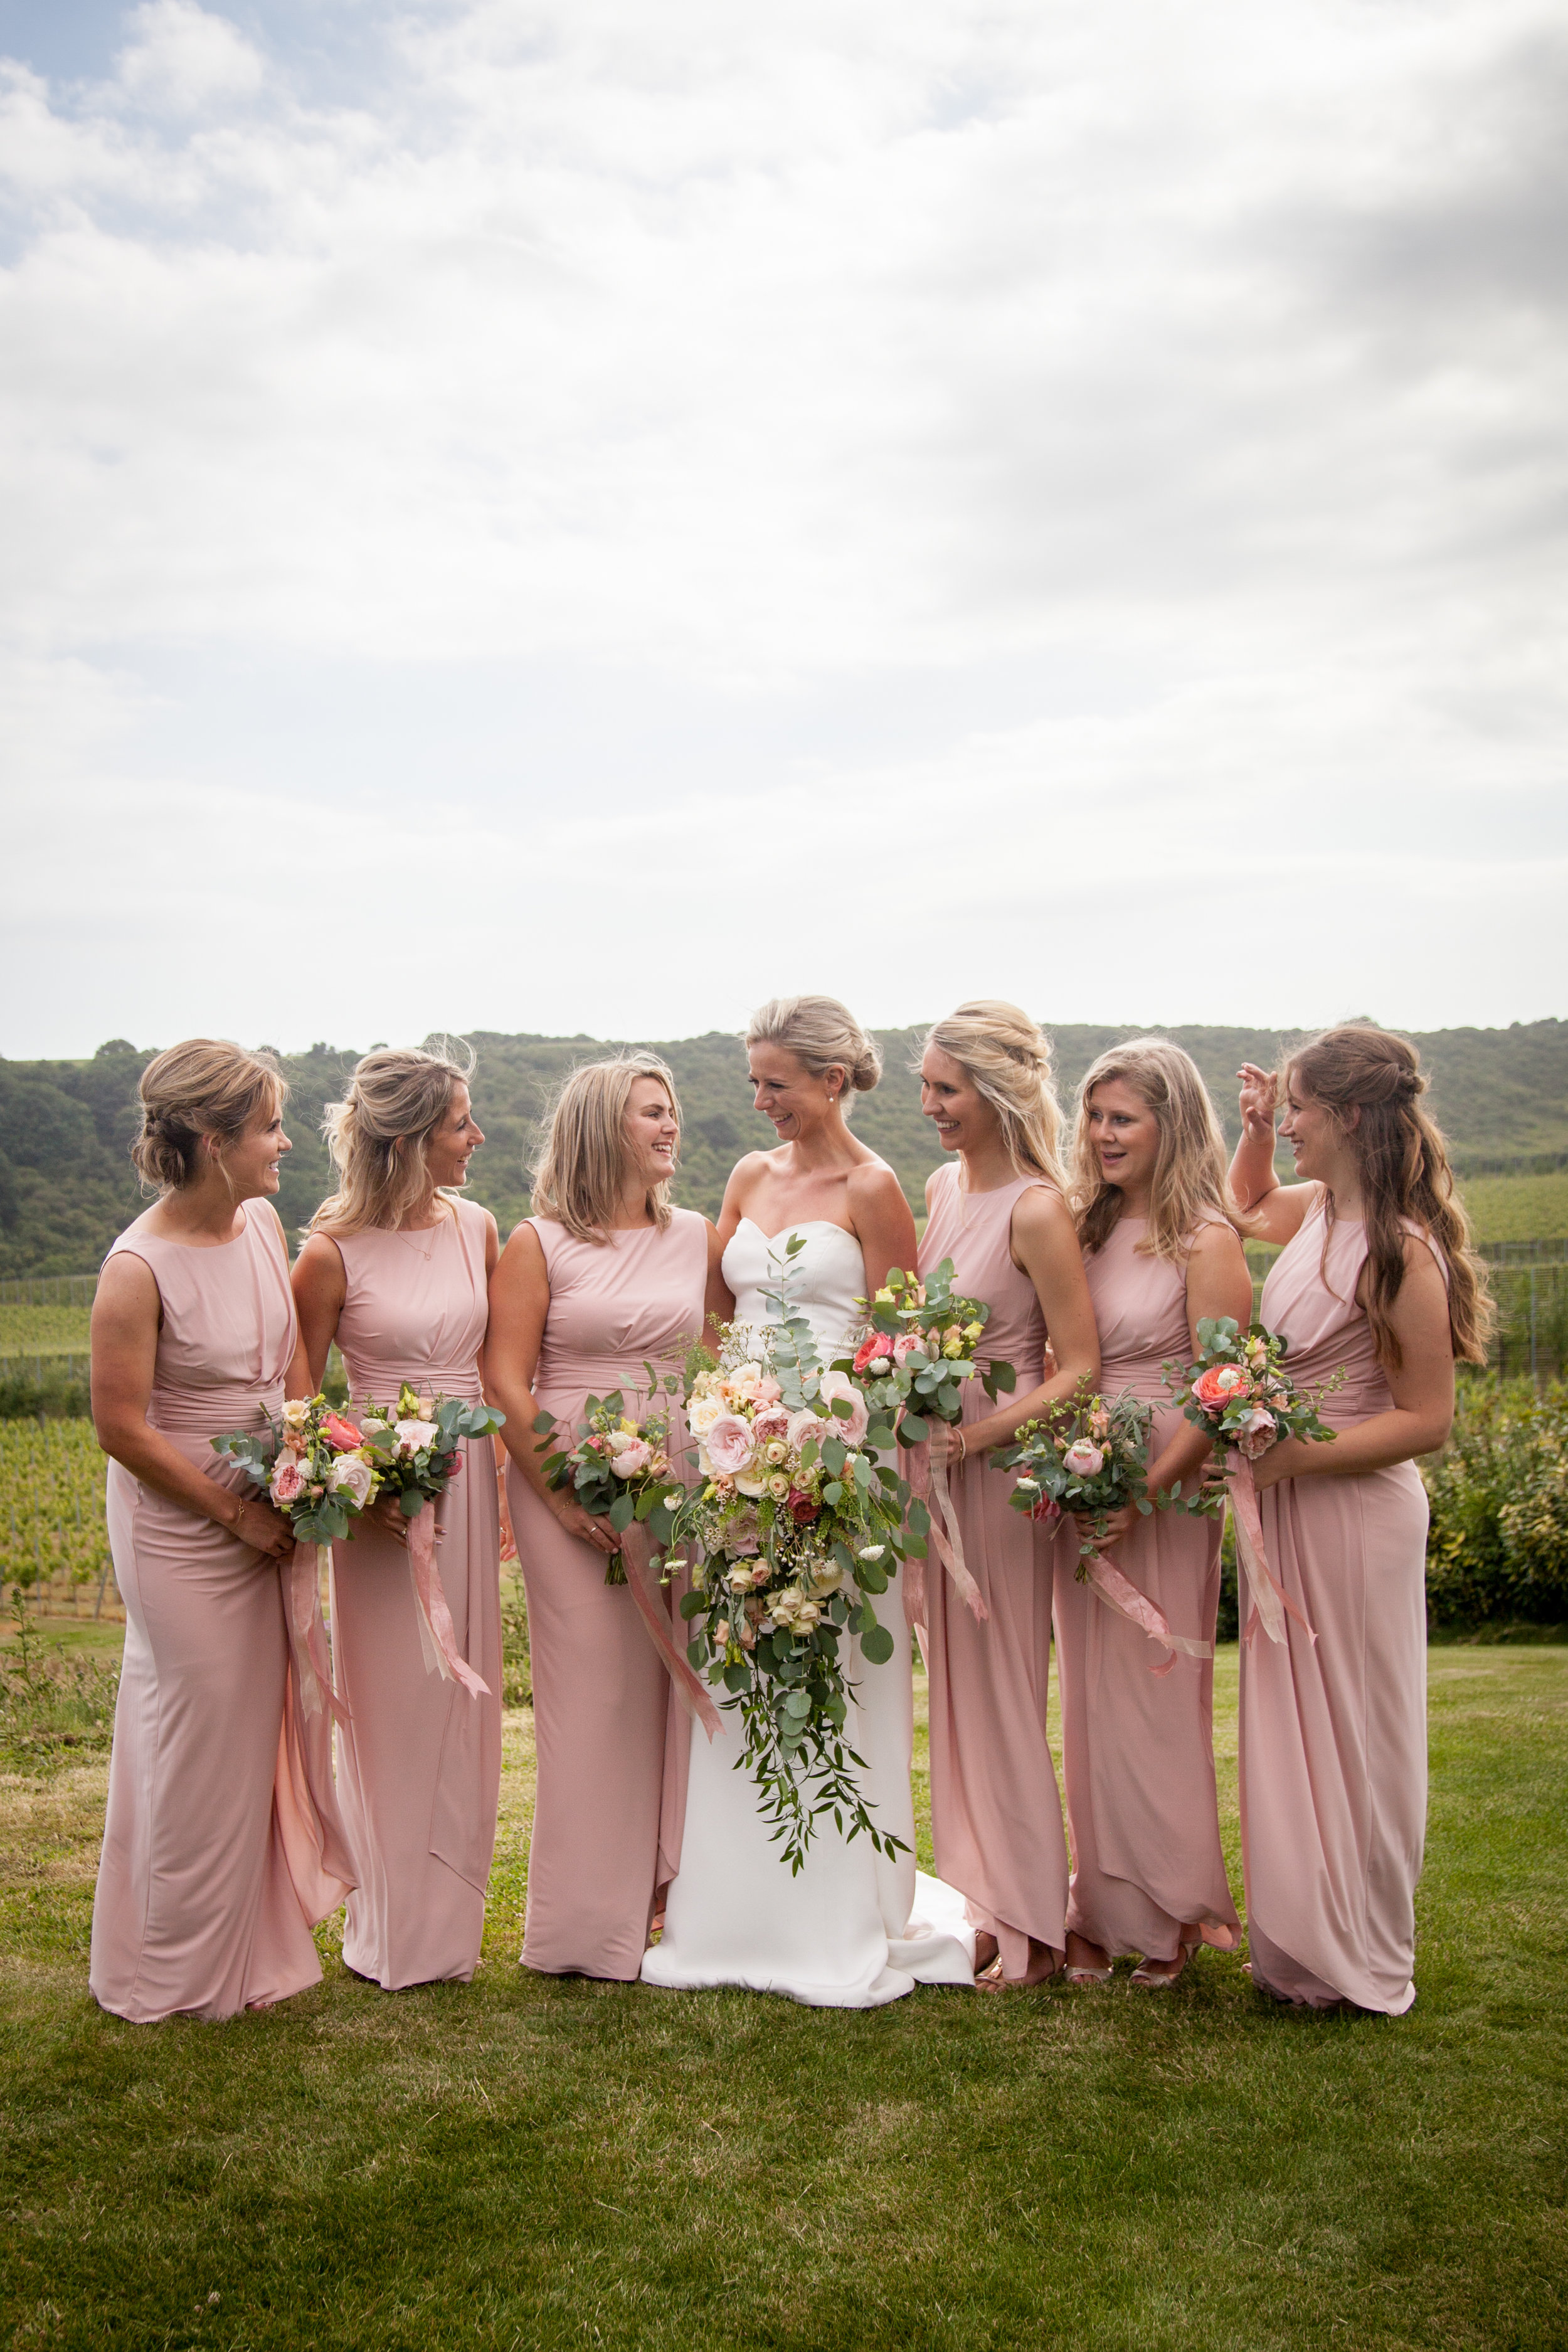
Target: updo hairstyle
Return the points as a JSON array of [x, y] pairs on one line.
[[1401, 1164], [379, 1135], [581, 1167], [1009, 1058], [823, 1035], [205, 1086], [1189, 1187]]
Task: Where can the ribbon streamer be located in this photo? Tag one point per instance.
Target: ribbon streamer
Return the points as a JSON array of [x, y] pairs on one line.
[[1271, 1604], [1119, 1592], [438, 1634], [308, 1633], [928, 1480], [637, 1554]]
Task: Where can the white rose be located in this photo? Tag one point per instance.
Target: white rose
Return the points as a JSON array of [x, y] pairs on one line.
[[704, 1412], [351, 1475], [414, 1437]]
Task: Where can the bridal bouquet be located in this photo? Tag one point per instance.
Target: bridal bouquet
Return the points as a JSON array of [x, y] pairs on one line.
[[1085, 1457], [920, 1351], [620, 1469], [799, 1524], [1239, 1392], [314, 1465], [416, 1446]]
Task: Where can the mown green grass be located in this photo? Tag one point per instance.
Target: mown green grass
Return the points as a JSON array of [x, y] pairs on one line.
[[525, 2162]]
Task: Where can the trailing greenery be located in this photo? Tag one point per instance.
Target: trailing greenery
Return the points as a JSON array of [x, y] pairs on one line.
[[536, 2162], [1497, 1550], [67, 1187]]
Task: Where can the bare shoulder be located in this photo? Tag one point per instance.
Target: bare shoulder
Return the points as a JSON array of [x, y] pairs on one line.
[[320, 1256], [1042, 1215], [523, 1246], [1217, 1244], [749, 1169], [126, 1284], [872, 1186]]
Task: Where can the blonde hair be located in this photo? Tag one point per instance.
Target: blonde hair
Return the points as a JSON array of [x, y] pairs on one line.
[[578, 1177], [1402, 1163], [823, 1035], [205, 1086], [1189, 1165], [1008, 1058], [397, 1097]]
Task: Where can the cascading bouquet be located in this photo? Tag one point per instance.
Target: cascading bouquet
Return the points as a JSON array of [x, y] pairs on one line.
[[415, 1449], [314, 1465], [1239, 1392], [800, 1524], [915, 1361], [1086, 1458], [620, 1469]]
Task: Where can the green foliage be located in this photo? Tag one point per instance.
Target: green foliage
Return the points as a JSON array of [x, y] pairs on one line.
[[54, 1702], [52, 1503], [67, 1186], [57, 1390], [517, 1664], [1517, 1208], [1497, 1550]]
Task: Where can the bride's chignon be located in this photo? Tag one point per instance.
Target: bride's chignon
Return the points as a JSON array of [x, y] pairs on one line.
[[823, 1035]]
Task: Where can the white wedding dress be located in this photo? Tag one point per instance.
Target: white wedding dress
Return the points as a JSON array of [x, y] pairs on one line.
[[852, 1929]]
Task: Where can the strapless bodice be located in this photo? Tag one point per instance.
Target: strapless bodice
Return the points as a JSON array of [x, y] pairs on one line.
[[825, 1281]]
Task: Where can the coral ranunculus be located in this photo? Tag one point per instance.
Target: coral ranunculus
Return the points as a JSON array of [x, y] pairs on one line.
[[340, 1434], [877, 1350], [1221, 1385]]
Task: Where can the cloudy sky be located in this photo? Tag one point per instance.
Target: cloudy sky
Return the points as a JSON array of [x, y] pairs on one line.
[[569, 515]]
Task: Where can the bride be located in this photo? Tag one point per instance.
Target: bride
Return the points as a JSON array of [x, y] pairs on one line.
[[855, 1929]]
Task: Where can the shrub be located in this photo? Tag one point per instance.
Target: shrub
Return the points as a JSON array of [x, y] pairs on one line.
[[1499, 1492]]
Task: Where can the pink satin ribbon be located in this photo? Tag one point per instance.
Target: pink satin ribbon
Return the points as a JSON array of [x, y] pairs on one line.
[[1119, 1592], [636, 1555], [307, 1631], [929, 1479], [1271, 1604], [438, 1634]]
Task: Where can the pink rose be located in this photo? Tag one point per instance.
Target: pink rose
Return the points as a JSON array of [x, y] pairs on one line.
[[908, 1344], [768, 1392], [729, 1446], [1047, 1510], [804, 1508], [1084, 1460], [632, 1458], [340, 1434], [838, 1387], [807, 1427], [287, 1483], [773, 1422], [1257, 1433], [874, 1354]]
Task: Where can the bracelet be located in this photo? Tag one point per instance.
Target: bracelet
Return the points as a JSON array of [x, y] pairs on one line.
[[962, 1448]]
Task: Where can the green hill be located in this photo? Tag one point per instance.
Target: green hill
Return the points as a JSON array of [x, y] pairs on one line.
[[67, 1187]]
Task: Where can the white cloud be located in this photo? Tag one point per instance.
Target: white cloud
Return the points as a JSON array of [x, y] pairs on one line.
[[1165, 407]]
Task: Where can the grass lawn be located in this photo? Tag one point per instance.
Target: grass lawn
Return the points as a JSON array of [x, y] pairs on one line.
[[525, 2162]]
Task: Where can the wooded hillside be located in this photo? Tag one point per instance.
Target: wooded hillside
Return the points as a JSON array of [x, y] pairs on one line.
[[67, 1187]]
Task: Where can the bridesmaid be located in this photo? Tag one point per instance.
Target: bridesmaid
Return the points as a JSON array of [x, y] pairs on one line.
[[396, 1269], [222, 1846], [1001, 1216], [1138, 1745], [604, 1276], [1377, 1276]]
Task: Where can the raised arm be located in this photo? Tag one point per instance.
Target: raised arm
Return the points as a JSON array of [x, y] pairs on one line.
[[1272, 1211], [125, 1316], [321, 1287]]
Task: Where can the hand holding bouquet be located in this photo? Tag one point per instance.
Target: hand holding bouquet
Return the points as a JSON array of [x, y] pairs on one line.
[[1240, 1392], [619, 1469], [415, 1445], [314, 1465], [1082, 1456]]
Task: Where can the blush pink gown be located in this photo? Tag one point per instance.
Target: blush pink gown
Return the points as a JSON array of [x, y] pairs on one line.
[[222, 1845], [600, 1692], [419, 1761], [1333, 1734], [995, 1810], [1137, 1750]]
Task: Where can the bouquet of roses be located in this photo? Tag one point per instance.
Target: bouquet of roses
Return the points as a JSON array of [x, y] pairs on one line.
[[920, 1351], [416, 1446], [1085, 1457], [314, 1465], [915, 1360], [620, 1469], [1241, 1393], [799, 1524]]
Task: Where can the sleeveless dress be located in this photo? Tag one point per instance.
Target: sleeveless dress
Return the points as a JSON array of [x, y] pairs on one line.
[[419, 1759], [852, 1929], [600, 1689], [222, 1846], [995, 1810], [1333, 1734], [1137, 1750]]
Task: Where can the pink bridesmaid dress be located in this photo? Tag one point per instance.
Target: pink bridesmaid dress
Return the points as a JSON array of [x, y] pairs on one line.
[[419, 1759], [995, 1810], [601, 1693], [222, 1846], [1333, 1733], [1137, 1748]]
